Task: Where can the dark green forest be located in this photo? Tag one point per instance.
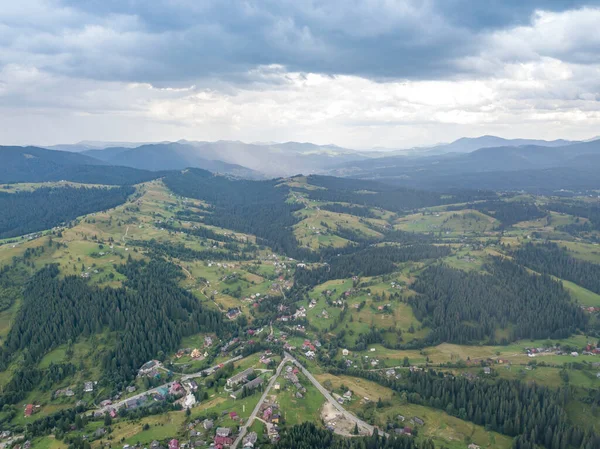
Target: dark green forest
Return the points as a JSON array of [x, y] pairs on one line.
[[253, 207], [469, 307], [532, 413], [150, 314], [371, 261], [309, 436], [46, 207], [549, 258]]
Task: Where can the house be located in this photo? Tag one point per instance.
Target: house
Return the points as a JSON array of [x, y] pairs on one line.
[[348, 395], [192, 385], [487, 370], [253, 384], [310, 355], [233, 415], [28, 410], [189, 401], [99, 432], [176, 388], [223, 431], [233, 313], [250, 439], [148, 367], [173, 444], [113, 413], [131, 389], [208, 424], [345, 352], [267, 414], [418, 421], [88, 387], [154, 445], [473, 446], [223, 441], [132, 403], [240, 377]]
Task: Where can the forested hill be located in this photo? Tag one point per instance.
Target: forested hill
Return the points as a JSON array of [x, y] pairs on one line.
[[467, 307], [549, 258], [33, 164], [150, 314], [374, 194], [46, 207], [254, 207]]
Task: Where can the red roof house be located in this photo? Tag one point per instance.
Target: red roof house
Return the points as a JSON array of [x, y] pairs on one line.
[[224, 441]]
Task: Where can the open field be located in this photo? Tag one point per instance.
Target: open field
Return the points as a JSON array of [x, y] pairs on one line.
[[448, 223]]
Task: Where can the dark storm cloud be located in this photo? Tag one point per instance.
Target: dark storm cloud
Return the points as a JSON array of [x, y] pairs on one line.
[[177, 42]]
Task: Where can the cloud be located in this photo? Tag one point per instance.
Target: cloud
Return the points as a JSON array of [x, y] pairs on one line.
[[355, 72], [168, 42]]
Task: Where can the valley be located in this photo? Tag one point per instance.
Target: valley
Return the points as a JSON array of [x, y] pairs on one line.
[[374, 290]]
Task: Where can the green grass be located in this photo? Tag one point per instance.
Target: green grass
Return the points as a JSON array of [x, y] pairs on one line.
[[582, 295], [451, 223], [298, 410], [48, 442]]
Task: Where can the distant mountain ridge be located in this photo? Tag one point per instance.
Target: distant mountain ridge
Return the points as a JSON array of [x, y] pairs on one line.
[[508, 167], [33, 164], [167, 156]]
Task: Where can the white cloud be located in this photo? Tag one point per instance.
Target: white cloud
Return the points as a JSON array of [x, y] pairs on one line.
[[539, 80]]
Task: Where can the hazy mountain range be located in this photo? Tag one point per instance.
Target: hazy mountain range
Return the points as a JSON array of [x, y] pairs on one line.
[[269, 159], [482, 162]]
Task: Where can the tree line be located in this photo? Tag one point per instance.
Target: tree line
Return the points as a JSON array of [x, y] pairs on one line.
[[46, 207], [468, 307], [531, 413], [549, 258]]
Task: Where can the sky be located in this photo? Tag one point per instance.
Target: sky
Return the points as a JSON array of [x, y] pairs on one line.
[[356, 73]]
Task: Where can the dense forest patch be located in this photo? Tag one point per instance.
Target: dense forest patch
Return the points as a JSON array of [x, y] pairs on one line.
[[44, 208], [151, 313], [371, 261], [468, 307], [533, 414], [549, 258], [252, 207]]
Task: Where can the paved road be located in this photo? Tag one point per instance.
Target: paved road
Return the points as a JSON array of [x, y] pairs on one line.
[[362, 426], [244, 428], [118, 405]]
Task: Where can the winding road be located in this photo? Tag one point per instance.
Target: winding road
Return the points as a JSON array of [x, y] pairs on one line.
[[363, 427]]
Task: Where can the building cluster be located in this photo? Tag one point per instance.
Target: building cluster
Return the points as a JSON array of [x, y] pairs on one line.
[[244, 381], [291, 375], [269, 413]]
